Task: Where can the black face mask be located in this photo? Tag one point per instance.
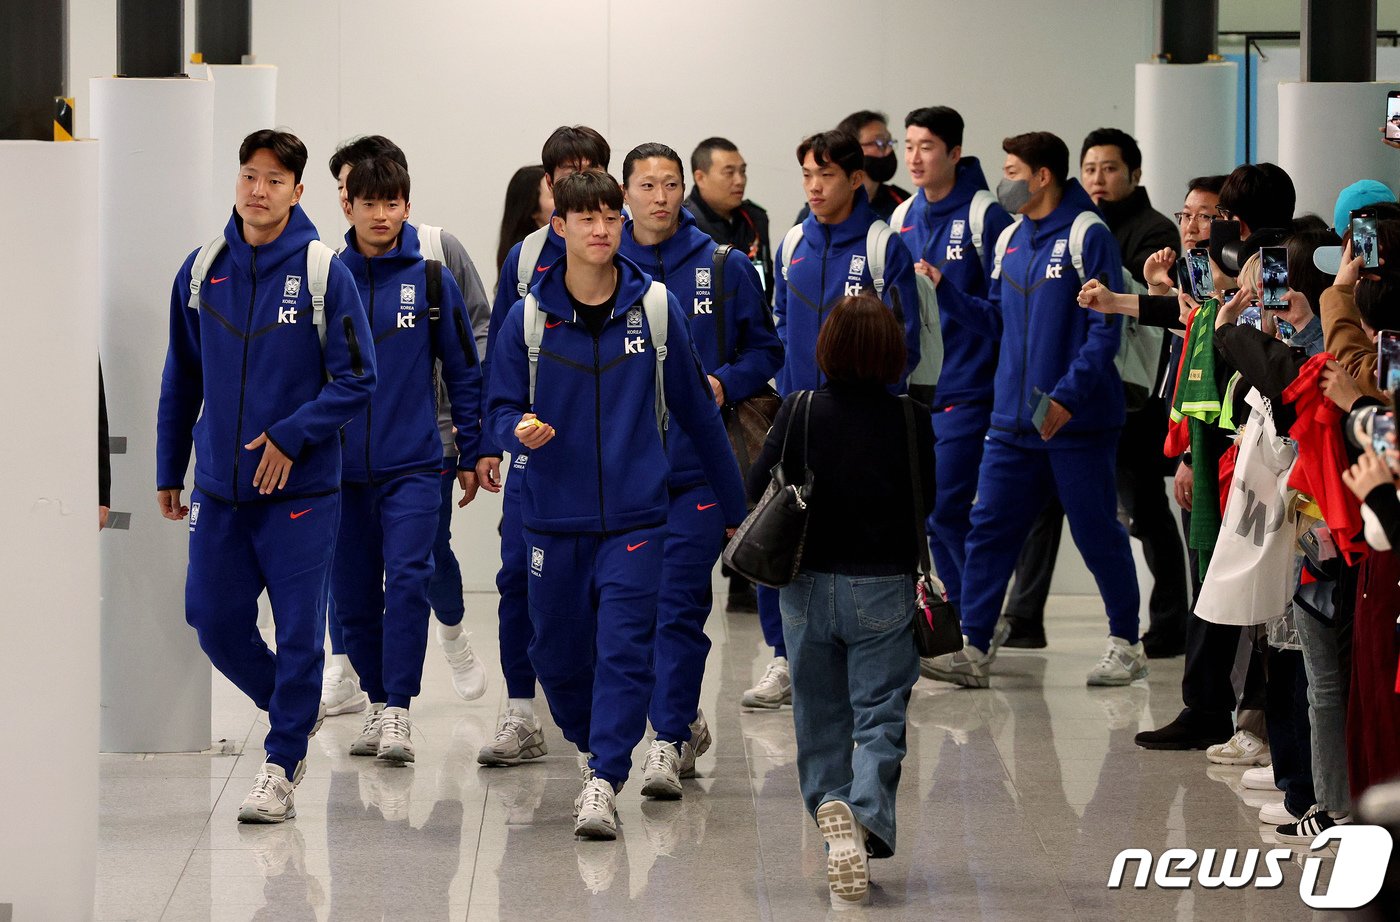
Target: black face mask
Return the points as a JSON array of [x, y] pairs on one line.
[[881, 169]]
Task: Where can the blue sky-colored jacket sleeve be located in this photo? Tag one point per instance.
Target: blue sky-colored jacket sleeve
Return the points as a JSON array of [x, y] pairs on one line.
[[181, 387], [1094, 363], [461, 370], [760, 354]]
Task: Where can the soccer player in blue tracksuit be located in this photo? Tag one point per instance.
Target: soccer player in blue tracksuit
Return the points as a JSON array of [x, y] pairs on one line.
[[595, 502], [1056, 414], [717, 289], [391, 498], [938, 226], [266, 493], [828, 263], [518, 734]]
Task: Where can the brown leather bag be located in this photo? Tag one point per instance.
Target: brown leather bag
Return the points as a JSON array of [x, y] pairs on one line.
[[746, 421]]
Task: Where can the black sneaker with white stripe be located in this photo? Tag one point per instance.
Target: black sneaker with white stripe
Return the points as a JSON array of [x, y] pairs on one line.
[[1313, 823]]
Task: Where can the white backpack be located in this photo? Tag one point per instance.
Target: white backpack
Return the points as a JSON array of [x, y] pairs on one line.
[[877, 241], [1139, 359], [982, 200], [654, 303], [430, 243], [530, 249], [318, 271]]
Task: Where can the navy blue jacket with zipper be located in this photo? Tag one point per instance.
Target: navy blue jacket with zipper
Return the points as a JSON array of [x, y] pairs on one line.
[[250, 357], [606, 470], [751, 354], [397, 433]]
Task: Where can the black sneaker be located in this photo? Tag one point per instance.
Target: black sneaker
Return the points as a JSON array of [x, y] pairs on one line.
[[1026, 634], [1164, 644], [1313, 823], [1188, 731], [742, 597]]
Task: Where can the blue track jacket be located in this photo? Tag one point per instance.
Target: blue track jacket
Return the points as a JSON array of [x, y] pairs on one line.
[[940, 233], [250, 357], [606, 470], [751, 355], [1047, 341], [829, 264], [397, 433]]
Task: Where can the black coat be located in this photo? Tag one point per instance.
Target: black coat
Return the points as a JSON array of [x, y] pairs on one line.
[[746, 231], [1140, 230]]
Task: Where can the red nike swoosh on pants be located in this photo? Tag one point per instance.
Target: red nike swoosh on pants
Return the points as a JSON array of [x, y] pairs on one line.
[[297, 515]]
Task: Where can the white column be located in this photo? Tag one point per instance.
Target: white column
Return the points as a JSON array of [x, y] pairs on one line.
[[1185, 123], [1329, 137], [156, 155], [48, 549], [245, 100]]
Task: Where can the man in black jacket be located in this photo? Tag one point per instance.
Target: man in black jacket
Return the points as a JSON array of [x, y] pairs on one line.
[[718, 205], [1110, 166]]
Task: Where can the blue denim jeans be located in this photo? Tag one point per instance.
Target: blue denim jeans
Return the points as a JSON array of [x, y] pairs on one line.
[[851, 653], [1327, 711]]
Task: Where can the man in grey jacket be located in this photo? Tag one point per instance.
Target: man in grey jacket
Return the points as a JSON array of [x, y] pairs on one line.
[[340, 689]]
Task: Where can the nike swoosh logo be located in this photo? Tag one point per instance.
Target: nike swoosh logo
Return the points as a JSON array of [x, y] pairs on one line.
[[297, 515], [906, 228], [222, 278], [1012, 249], [700, 508], [633, 547], [798, 260], [549, 325], [541, 268]]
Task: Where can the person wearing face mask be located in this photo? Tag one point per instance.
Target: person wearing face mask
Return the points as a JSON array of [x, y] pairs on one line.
[[879, 162], [1057, 411], [664, 240]]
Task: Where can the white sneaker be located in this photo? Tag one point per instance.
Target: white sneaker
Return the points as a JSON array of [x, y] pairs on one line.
[[468, 674], [1244, 748], [699, 744], [270, 801], [396, 736], [847, 873], [966, 667], [597, 811], [367, 743], [661, 771], [1276, 814], [1259, 779], [1120, 664], [341, 694], [773, 690], [585, 774], [518, 738], [320, 719]]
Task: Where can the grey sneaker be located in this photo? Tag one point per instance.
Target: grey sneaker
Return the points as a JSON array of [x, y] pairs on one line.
[[1120, 664], [597, 811], [700, 740], [396, 736], [847, 873], [661, 771], [773, 690], [270, 801], [367, 743], [967, 667], [518, 739], [1244, 748]]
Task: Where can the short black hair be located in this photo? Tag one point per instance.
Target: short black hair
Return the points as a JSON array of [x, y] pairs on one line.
[[1208, 184], [838, 147], [853, 123], [377, 179], [575, 145], [1114, 137], [1261, 195], [366, 147], [1040, 149], [703, 156], [943, 122], [646, 151], [284, 145], [586, 190], [1303, 276]]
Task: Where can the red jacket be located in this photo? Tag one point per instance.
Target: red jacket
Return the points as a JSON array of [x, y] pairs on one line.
[[1322, 457]]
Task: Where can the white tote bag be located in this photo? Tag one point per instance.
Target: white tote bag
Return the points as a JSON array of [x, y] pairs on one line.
[[1251, 576]]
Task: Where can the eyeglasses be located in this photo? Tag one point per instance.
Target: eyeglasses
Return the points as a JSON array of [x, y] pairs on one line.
[[883, 143], [1187, 217]]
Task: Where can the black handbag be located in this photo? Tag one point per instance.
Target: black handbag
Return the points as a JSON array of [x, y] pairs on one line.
[[937, 627], [767, 547], [746, 421]]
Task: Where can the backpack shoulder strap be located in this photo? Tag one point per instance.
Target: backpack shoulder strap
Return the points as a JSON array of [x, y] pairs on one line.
[[977, 216], [534, 335], [530, 249], [657, 308], [790, 241], [430, 242], [1003, 242], [721, 342], [318, 273], [1077, 232], [432, 270], [200, 269], [901, 212], [877, 241]]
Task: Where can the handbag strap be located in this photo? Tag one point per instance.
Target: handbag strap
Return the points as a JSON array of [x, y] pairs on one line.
[[787, 432], [911, 441]]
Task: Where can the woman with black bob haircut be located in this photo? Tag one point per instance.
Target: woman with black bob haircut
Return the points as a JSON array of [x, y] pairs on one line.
[[847, 616]]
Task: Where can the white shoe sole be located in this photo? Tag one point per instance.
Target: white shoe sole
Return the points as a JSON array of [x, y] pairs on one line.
[[488, 756], [965, 679], [1248, 786], [1260, 760], [393, 753], [597, 827], [367, 749], [352, 705], [661, 787], [469, 694], [847, 872], [1116, 681], [766, 704], [254, 815]]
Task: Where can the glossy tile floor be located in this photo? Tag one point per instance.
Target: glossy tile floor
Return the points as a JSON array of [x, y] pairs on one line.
[[1013, 803]]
